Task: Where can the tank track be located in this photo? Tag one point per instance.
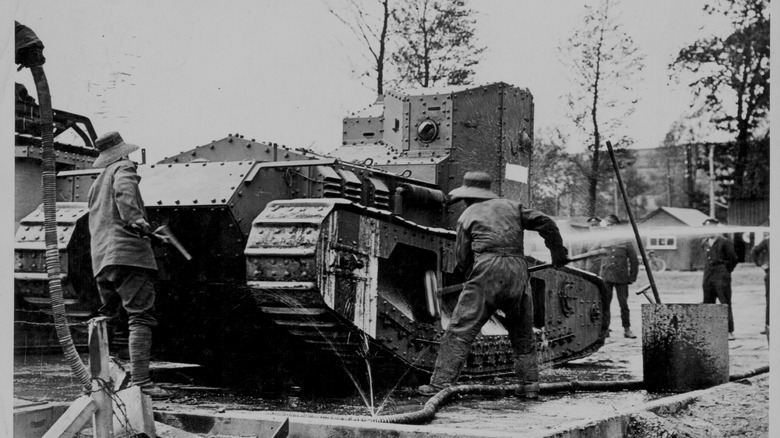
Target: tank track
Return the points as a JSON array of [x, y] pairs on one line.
[[304, 258]]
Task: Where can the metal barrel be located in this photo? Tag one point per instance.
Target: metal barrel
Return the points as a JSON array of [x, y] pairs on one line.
[[684, 346]]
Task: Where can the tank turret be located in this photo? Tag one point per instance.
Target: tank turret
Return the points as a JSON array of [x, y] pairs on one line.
[[437, 135]]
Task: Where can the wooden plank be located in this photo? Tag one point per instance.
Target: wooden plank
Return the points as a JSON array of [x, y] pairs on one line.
[[119, 376], [133, 413], [101, 378], [283, 430], [168, 431], [74, 419]]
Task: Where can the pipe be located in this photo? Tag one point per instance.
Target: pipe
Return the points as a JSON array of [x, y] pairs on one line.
[[748, 374], [53, 268], [633, 223]]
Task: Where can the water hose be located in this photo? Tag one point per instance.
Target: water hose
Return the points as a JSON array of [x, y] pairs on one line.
[[53, 268], [748, 374], [428, 411]]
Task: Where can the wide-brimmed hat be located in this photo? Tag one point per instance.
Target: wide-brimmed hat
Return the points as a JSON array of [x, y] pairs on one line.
[[476, 185], [111, 148]]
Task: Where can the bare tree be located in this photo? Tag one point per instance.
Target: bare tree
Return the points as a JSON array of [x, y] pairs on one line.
[[436, 42], [371, 29], [604, 62]]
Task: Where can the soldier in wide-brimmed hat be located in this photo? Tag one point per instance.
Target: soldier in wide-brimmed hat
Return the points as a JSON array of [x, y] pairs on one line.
[[489, 249], [112, 147], [122, 258]]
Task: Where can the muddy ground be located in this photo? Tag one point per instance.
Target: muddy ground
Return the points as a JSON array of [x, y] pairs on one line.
[[743, 413]]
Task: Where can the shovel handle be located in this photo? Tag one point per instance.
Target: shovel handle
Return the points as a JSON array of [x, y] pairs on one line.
[[578, 257]]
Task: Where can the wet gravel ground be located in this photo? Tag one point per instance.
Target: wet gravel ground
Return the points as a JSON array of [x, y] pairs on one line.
[[47, 378]]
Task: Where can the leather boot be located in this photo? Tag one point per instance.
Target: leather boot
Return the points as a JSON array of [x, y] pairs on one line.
[[527, 369]]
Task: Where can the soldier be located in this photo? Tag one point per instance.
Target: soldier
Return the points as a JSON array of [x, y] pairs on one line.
[[618, 268], [592, 264], [719, 261], [760, 256], [489, 249], [122, 257]]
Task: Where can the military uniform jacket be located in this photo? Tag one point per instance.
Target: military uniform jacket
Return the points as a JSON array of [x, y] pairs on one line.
[[496, 226], [620, 264], [719, 256], [760, 254], [114, 203]]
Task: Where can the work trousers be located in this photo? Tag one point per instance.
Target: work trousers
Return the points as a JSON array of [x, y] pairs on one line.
[[133, 288], [717, 285], [622, 294], [497, 281]]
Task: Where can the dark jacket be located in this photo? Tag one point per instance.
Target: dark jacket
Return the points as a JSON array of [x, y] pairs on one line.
[[620, 264], [115, 203], [760, 254], [719, 256], [496, 225]]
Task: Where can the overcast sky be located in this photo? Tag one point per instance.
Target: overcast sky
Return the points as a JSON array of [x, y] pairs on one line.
[[174, 75]]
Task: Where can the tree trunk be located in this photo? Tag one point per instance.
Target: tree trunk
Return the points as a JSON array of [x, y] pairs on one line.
[[380, 62]]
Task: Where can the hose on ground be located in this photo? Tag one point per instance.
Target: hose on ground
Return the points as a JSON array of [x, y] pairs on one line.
[[428, 411], [749, 373]]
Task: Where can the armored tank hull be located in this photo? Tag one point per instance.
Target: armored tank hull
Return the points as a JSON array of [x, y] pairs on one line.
[[301, 259]]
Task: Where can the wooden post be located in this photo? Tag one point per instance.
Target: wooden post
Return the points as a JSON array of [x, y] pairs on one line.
[[137, 416], [102, 422]]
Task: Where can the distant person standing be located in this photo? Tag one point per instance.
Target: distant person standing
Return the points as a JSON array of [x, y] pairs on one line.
[[590, 264], [719, 261], [619, 268], [760, 256]]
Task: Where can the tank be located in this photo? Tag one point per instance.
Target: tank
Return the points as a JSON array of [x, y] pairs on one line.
[[303, 261], [74, 146]]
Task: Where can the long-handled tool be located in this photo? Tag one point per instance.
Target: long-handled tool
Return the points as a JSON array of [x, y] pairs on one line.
[[643, 291], [434, 291], [639, 244], [164, 234]]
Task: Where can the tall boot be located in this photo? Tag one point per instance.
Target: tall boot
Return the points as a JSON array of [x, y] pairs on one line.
[[527, 369], [140, 344], [453, 351]]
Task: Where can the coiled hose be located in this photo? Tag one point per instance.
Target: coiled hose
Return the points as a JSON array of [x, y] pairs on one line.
[[53, 268]]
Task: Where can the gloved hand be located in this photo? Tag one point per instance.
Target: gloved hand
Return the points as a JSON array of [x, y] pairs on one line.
[[141, 226], [560, 258]]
